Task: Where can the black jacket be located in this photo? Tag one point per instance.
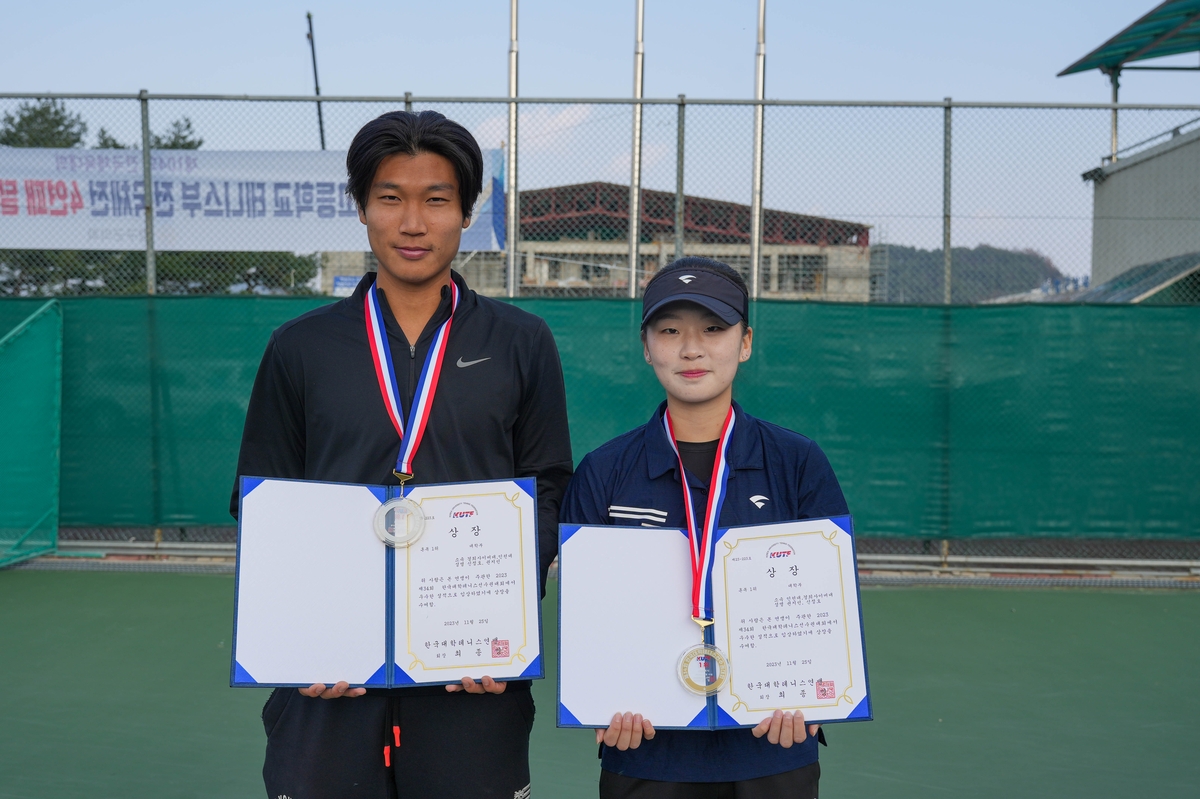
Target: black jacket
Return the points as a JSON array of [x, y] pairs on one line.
[[316, 412]]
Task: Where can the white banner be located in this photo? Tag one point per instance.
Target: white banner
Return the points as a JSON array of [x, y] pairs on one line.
[[203, 200]]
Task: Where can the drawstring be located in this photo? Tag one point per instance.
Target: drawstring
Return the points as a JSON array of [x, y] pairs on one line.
[[391, 729]]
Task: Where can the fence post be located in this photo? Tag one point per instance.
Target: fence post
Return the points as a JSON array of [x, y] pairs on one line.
[[756, 201], [408, 101], [946, 143], [148, 195], [512, 204], [679, 196], [635, 178]]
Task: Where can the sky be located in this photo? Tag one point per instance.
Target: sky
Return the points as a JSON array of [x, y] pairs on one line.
[[867, 50], [1017, 173]]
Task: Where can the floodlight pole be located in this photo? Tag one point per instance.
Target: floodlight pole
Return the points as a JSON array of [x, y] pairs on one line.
[[680, 198], [512, 205], [756, 200], [635, 178], [312, 45]]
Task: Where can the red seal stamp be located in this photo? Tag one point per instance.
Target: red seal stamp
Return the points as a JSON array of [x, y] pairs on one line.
[[825, 690], [500, 648]]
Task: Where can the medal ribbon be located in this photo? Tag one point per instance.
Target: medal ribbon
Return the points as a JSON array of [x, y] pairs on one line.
[[381, 353], [703, 539]]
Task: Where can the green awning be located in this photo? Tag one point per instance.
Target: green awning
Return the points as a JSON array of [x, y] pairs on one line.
[[1170, 29]]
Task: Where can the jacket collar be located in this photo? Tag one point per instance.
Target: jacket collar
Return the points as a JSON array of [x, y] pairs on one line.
[[466, 301], [745, 449]]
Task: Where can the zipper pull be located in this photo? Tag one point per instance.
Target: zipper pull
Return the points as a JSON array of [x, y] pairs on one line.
[[412, 351]]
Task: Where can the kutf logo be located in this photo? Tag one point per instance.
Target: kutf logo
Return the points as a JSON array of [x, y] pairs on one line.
[[710, 669], [463, 510], [780, 550]]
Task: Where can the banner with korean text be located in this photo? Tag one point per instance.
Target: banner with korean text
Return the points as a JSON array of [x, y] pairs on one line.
[[59, 199]]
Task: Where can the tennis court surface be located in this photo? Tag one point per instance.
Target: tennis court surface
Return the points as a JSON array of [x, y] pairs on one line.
[[116, 687]]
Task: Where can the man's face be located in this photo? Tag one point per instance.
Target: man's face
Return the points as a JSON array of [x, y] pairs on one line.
[[414, 216]]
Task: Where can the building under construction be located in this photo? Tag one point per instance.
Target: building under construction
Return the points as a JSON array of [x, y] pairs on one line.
[[575, 241]]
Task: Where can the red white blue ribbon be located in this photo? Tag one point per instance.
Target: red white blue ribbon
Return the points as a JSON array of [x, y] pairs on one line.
[[703, 538], [381, 352]]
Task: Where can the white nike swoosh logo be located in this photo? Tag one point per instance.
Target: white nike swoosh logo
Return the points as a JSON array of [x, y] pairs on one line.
[[463, 364]]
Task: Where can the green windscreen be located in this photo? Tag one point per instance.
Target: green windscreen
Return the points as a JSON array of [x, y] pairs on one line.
[[30, 376], [1030, 420]]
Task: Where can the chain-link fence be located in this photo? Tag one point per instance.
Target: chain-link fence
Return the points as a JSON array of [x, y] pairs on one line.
[[859, 199]]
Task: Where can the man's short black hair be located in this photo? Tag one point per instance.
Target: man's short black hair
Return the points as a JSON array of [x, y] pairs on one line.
[[414, 133]]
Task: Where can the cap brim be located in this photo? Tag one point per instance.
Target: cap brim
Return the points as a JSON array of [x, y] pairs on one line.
[[727, 313]]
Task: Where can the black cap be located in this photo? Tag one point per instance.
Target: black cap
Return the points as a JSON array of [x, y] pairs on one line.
[[705, 287]]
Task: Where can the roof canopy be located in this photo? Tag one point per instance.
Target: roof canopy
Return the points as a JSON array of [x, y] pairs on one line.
[[1170, 29]]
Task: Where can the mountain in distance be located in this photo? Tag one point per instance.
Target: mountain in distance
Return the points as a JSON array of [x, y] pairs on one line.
[[915, 276]]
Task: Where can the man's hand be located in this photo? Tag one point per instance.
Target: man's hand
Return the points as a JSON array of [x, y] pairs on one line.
[[485, 686], [626, 732], [784, 729], [341, 689]]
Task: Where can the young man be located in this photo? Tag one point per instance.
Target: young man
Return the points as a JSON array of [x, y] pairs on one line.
[[695, 335], [317, 412]]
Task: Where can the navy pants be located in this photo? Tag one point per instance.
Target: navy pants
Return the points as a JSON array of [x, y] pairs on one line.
[[451, 745], [802, 783]]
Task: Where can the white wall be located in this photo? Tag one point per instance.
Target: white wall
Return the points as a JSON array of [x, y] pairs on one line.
[[1147, 208]]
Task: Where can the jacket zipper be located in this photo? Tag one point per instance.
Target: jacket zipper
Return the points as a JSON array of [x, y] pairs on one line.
[[412, 372]]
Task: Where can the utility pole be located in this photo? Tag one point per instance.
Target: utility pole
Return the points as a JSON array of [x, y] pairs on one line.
[[635, 177], [512, 204], [312, 45]]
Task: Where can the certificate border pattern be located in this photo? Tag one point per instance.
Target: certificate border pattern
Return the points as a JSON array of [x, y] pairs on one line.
[[845, 694]]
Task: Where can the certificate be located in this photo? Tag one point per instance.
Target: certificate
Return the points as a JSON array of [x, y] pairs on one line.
[[787, 627], [320, 597]]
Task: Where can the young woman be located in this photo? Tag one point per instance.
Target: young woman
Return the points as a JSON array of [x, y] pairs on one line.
[[695, 333]]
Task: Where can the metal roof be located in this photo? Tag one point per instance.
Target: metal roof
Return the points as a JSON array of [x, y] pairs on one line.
[[1142, 282], [1170, 29], [571, 212]]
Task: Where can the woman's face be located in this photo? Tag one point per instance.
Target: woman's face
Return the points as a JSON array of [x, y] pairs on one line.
[[694, 353]]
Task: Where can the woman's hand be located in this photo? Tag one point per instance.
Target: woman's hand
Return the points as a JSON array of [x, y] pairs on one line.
[[626, 732], [485, 686], [784, 729], [333, 692]]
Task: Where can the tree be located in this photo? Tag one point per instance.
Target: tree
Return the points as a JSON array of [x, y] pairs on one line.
[[106, 141], [179, 136], [977, 274], [46, 123]]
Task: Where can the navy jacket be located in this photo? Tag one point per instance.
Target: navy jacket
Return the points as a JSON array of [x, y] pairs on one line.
[[634, 480]]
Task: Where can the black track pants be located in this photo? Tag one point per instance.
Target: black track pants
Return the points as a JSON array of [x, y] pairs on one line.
[[798, 784], [451, 745]]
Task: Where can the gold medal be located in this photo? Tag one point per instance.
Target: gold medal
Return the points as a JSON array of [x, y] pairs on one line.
[[399, 522], [703, 669]]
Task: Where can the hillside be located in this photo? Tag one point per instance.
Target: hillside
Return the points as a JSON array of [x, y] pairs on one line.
[[982, 273]]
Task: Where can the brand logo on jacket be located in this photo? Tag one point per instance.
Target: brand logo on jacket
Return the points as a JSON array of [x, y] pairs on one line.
[[759, 500], [464, 364]]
